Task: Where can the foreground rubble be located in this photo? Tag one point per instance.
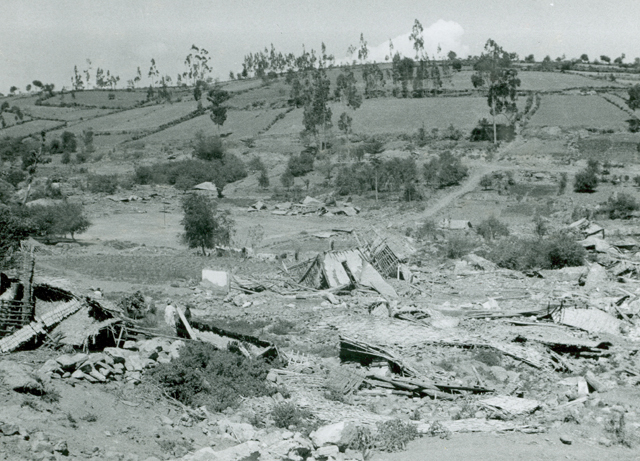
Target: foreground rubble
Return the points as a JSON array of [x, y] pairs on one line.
[[362, 339]]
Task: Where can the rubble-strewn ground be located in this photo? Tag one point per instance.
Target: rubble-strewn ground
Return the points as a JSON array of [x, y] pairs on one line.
[[460, 324]]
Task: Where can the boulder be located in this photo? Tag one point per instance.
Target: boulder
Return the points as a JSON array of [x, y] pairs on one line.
[[596, 277], [20, 378], [240, 431], [338, 434]]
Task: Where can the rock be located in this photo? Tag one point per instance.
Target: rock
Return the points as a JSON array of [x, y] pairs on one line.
[[499, 373], [49, 366], [9, 429], [39, 446], [596, 277], [594, 384], [130, 345], [134, 363], [327, 450], [333, 434], [237, 453], [566, 440], [241, 431], [62, 448], [20, 378], [381, 310], [78, 374]]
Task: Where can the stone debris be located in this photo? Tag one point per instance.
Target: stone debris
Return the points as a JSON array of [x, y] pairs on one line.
[[113, 364]]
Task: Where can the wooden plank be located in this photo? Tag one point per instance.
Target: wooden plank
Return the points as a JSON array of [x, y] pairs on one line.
[[192, 335]]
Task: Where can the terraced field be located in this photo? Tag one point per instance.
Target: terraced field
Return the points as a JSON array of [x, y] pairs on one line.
[[569, 111], [391, 115], [70, 114], [25, 129], [241, 123]]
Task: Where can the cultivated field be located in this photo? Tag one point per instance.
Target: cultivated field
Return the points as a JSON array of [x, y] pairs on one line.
[[579, 111]]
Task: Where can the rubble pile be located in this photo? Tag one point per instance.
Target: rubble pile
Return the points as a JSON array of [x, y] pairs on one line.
[[113, 364]]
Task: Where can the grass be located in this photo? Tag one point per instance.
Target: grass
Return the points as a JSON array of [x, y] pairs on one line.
[[392, 115], [578, 111], [28, 128], [241, 123], [134, 268]]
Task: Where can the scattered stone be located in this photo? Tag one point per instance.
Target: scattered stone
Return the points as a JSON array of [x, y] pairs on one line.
[[566, 440]]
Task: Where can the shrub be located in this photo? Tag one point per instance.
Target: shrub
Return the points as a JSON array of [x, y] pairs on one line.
[[621, 206], [373, 147], [263, 179], [287, 179], [69, 142], [457, 246], [394, 435], [82, 157], [107, 184], [562, 184], [204, 375], [185, 174], [256, 164], [444, 171], [288, 414], [14, 176], [486, 181], [301, 164], [66, 158], [555, 252], [491, 228], [428, 229], [60, 219], [13, 229], [585, 181], [411, 192], [208, 147]]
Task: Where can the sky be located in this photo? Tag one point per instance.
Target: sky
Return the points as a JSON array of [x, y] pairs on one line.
[[44, 39]]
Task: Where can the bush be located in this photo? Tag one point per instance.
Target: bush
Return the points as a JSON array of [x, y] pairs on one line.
[[491, 228], [204, 375], [621, 206], [373, 147], [299, 165], [444, 171], [208, 147], [585, 181], [521, 254], [69, 142], [288, 414], [562, 184], [107, 184], [394, 435], [457, 246], [13, 228], [185, 174], [61, 219], [427, 230]]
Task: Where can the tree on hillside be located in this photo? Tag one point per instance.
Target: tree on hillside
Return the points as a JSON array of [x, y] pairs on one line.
[[316, 115], [218, 113], [204, 226], [530, 59], [153, 73], [606, 59], [584, 57], [495, 69], [12, 90], [619, 60], [347, 92], [634, 97]]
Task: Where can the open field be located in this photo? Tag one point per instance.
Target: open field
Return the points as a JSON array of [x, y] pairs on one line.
[[579, 111], [33, 127]]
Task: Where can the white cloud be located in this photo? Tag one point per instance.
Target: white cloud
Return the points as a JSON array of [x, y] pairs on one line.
[[447, 35]]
